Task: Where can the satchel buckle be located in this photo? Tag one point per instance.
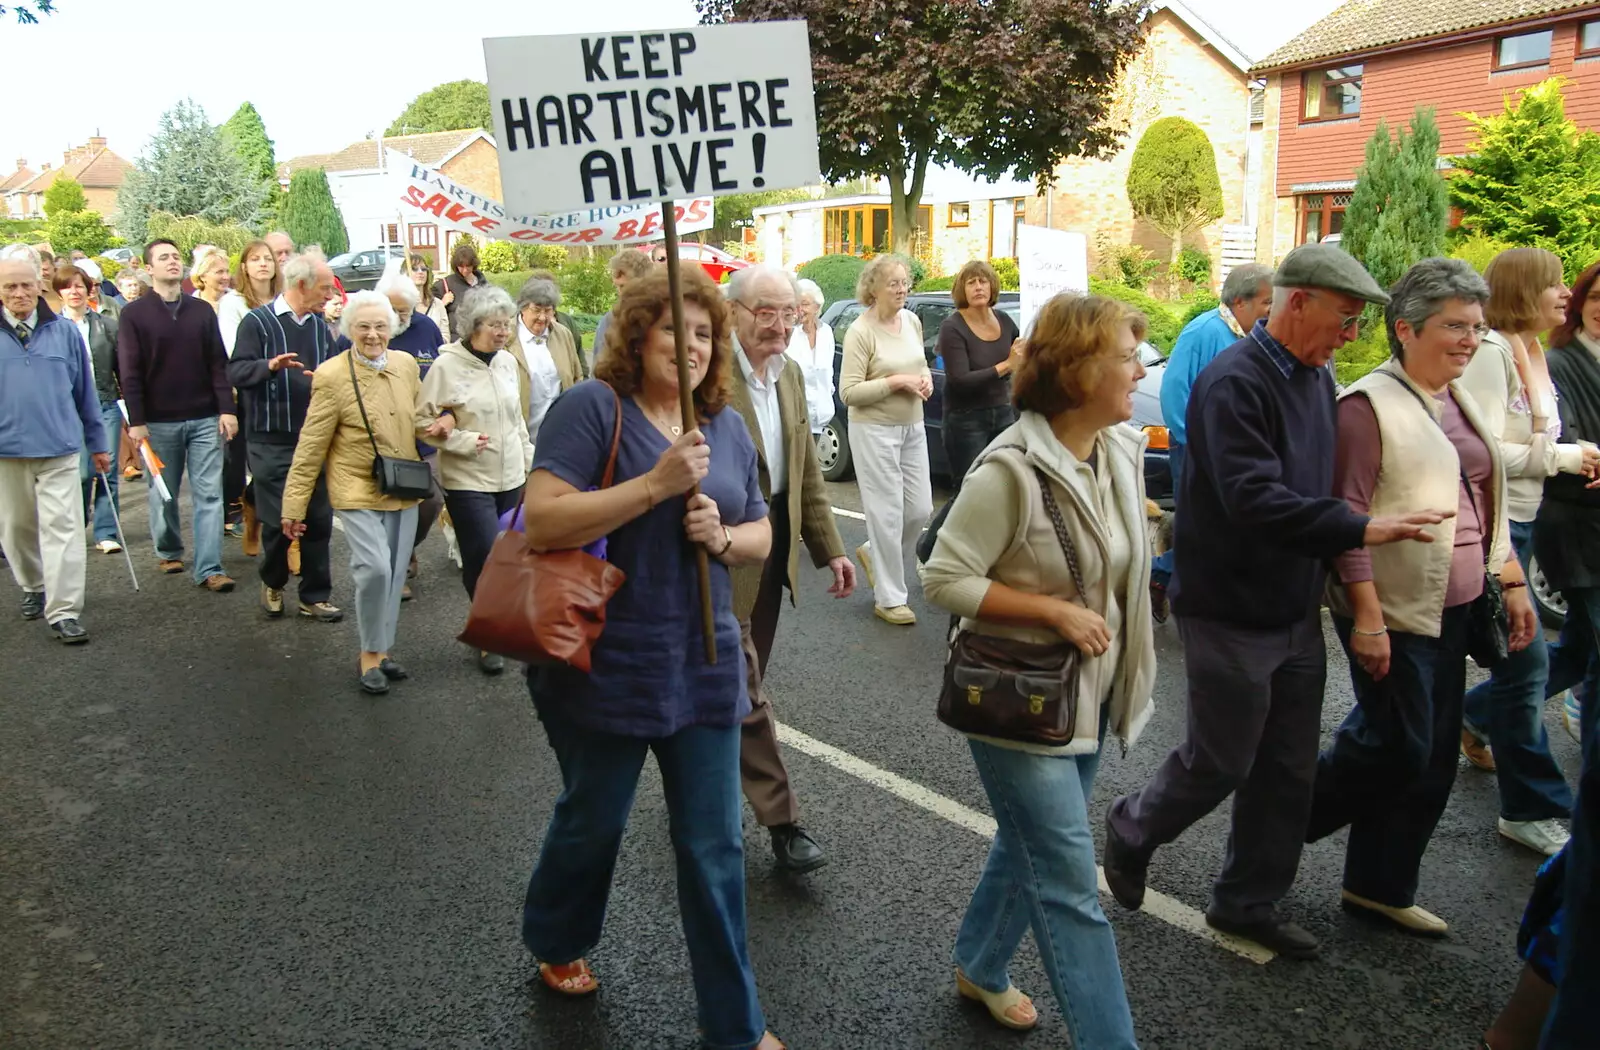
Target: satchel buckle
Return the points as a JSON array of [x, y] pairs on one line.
[[1036, 704], [974, 694]]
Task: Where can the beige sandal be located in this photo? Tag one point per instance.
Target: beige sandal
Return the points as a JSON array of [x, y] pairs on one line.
[[1009, 1008], [574, 979]]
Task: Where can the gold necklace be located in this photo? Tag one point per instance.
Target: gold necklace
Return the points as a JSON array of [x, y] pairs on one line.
[[674, 429]]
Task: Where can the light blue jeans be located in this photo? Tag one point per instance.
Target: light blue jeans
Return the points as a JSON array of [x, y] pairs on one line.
[[1041, 873], [100, 499], [197, 445]]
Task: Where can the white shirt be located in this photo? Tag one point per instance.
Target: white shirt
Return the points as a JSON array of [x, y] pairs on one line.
[[764, 395], [281, 307], [32, 321], [83, 330], [816, 365], [545, 382]]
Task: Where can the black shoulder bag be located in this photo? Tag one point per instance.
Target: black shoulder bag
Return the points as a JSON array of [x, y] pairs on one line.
[[400, 478]]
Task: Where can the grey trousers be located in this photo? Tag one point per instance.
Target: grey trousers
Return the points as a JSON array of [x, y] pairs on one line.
[[1254, 725], [380, 549]]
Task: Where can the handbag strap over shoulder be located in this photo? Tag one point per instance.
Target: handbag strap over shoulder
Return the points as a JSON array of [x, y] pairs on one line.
[[356, 383], [611, 459], [1067, 546]]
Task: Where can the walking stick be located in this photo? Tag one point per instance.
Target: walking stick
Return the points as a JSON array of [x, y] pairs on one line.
[[122, 540]]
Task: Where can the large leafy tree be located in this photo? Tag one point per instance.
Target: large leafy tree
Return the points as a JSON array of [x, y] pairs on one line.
[[1532, 178], [999, 88], [82, 231], [188, 169], [309, 214], [449, 107], [65, 195], [1172, 181], [1400, 209]]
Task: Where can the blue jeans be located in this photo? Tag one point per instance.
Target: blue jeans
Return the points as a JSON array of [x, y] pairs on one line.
[[1507, 711], [1041, 873], [967, 432], [1575, 1014], [1161, 564], [1575, 658], [566, 902], [99, 499], [197, 445]]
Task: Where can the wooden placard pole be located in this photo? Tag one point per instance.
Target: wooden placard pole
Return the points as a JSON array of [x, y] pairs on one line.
[[669, 226]]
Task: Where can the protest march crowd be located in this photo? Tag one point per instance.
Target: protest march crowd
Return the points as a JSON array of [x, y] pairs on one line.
[[1408, 504]]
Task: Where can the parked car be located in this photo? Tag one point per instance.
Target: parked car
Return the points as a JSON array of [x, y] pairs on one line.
[[119, 255], [359, 271], [1147, 417]]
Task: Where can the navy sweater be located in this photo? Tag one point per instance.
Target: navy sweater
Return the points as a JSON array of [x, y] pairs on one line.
[[273, 404], [1257, 520]]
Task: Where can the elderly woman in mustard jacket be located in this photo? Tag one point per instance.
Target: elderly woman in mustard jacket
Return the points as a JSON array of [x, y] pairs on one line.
[[378, 528], [1412, 439]]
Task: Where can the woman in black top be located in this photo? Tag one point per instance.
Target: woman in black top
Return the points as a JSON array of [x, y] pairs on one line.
[[980, 347]]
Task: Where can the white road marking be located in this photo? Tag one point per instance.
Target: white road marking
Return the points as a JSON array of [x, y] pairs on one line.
[[1157, 905], [857, 515]]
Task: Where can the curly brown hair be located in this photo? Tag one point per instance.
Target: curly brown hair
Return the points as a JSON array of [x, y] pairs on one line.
[[1071, 342], [643, 302]]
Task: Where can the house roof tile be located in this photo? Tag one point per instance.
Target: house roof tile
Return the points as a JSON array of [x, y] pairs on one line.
[[431, 148], [21, 177], [1362, 25], [101, 169]]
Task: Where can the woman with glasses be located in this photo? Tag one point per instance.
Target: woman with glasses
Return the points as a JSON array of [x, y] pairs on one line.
[[1510, 381], [484, 458], [883, 382]]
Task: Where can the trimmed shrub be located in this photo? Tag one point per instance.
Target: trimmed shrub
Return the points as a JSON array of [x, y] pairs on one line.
[[1368, 351], [586, 286], [938, 284], [541, 256], [1197, 303], [109, 268], [1478, 250], [835, 274], [1010, 276], [1194, 266], [1164, 326], [1127, 264], [498, 257]]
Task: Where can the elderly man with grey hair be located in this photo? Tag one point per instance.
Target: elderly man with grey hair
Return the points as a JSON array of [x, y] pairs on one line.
[[545, 351], [770, 394]]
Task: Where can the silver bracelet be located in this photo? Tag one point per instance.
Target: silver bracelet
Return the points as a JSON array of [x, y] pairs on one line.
[[1379, 633]]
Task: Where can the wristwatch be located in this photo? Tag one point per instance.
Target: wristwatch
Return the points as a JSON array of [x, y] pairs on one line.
[[728, 545]]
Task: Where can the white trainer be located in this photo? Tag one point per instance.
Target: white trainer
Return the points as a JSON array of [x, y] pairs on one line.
[[1541, 836]]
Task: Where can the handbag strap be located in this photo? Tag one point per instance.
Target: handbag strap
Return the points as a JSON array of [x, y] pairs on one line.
[[1466, 482], [611, 460], [1067, 546], [356, 383]]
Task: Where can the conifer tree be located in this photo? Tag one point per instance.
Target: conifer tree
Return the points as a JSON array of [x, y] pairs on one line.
[[309, 214]]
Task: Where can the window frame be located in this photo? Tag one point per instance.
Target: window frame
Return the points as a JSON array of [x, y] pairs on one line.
[[1325, 211], [1583, 52], [1322, 118], [966, 214], [1542, 63]]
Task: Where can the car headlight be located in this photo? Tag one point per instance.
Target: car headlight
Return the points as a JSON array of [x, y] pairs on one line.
[[1159, 438]]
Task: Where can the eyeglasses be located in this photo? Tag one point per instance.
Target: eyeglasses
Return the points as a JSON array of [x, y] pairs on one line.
[[1460, 329], [499, 326], [1344, 322], [898, 286], [767, 316]]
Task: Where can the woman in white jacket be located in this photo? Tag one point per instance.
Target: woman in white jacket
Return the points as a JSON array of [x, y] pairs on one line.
[[485, 458], [999, 565]]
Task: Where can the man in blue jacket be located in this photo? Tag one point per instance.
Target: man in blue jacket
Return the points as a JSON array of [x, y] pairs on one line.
[[48, 411], [1246, 299]]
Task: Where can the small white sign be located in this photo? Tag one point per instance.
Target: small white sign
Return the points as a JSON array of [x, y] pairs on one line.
[[1049, 262], [617, 119]]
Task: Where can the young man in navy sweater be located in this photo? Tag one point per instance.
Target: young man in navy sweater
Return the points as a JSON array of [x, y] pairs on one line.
[[1259, 523]]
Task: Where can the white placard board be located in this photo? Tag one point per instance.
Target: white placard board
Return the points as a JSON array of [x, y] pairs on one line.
[[598, 120], [1049, 262]]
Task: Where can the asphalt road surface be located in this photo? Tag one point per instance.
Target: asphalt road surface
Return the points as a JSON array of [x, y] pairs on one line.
[[209, 838]]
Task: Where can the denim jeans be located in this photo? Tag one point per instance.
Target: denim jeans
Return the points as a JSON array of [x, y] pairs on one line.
[[1041, 874], [566, 902], [1575, 659], [1161, 564], [195, 444], [1575, 1014], [967, 432], [99, 498], [1508, 712]]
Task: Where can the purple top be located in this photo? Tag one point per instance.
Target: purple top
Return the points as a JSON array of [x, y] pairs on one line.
[[1356, 476]]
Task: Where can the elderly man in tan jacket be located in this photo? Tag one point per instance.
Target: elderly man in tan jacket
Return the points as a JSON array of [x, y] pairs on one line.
[[769, 393]]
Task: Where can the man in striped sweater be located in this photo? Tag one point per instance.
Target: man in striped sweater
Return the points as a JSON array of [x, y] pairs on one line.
[[278, 347]]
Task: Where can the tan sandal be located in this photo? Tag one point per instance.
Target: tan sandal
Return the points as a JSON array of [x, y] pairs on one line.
[[573, 979], [1009, 1008]]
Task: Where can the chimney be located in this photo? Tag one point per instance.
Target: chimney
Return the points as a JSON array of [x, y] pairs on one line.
[[22, 162], [96, 144]]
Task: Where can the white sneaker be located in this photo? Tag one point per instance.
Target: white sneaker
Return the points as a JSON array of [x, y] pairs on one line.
[[1570, 714], [108, 547], [1541, 836]]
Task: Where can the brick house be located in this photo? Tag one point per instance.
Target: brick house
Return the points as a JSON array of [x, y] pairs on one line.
[[1186, 68], [1374, 60], [100, 172], [356, 179]]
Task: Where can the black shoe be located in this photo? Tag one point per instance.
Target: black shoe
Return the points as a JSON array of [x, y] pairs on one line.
[[1125, 870], [797, 852], [491, 663], [392, 670], [32, 605], [69, 632], [1277, 935], [1160, 608], [373, 680]]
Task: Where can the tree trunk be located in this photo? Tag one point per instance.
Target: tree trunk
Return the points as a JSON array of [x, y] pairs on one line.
[[905, 202], [1172, 263]]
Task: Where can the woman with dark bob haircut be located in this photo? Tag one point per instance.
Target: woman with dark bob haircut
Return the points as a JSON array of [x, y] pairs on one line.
[[981, 347], [650, 687], [1000, 565]]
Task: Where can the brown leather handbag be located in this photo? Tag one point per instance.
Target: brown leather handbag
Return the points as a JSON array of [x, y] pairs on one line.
[[1011, 690], [547, 607]]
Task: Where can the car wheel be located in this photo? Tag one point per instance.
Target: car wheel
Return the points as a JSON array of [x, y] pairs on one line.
[[833, 452], [1548, 601]]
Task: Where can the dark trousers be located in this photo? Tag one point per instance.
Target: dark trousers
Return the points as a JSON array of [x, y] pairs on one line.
[[476, 519], [765, 778], [1391, 765], [1255, 717], [269, 465], [967, 432], [1575, 1014], [235, 467], [428, 510]]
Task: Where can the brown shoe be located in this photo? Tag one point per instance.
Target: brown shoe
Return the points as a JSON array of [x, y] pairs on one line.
[[1477, 752], [250, 542], [218, 583], [171, 566]]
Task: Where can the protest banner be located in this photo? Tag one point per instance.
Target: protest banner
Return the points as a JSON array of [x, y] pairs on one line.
[[620, 118], [1049, 262], [424, 195]]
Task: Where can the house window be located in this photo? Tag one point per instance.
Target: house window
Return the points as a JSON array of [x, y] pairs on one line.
[[424, 235], [1321, 216], [1589, 40], [1525, 51], [1005, 218], [1332, 93], [864, 229], [959, 214], [389, 234]]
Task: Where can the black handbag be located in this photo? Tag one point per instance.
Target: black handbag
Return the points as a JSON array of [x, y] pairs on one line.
[[1025, 692], [396, 477]]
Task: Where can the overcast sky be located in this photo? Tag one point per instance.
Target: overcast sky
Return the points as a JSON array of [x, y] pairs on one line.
[[112, 66]]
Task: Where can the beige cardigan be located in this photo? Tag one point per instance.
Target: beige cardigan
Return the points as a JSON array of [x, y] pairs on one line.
[[999, 530], [872, 354], [484, 400]]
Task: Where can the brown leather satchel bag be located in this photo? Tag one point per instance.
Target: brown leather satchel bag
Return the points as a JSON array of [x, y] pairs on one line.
[[545, 607], [1011, 690]]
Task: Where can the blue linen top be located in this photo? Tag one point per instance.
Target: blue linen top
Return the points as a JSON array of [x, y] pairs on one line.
[[1201, 340], [649, 677]]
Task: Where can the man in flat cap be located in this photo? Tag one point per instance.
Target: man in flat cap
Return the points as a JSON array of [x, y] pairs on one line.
[[1259, 522]]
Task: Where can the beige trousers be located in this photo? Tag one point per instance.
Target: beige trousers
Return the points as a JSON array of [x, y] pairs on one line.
[[41, 529]]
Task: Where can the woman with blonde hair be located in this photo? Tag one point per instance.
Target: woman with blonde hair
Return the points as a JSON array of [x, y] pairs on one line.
[[883, 381], [1046, 544], [210, 276]]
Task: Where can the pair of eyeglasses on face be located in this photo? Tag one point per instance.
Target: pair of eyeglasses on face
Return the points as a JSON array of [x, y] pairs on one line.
[[498, 326], [1351, 321], [766, 316], [1460, 329], [898, 286]]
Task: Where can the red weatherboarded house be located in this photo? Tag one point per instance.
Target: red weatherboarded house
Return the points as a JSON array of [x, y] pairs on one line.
[[1374, 60]]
